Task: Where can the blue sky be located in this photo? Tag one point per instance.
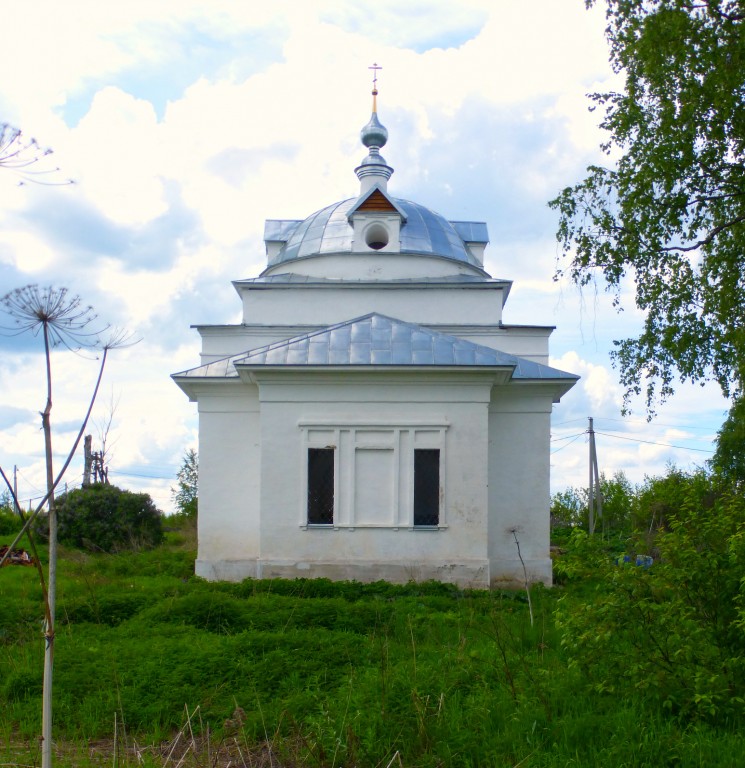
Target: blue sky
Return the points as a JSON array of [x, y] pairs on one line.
[[186, 124]]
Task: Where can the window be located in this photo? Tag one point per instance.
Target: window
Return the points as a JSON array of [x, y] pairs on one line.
[[320, 486], [376, 236], [373, 474], [426, 486]]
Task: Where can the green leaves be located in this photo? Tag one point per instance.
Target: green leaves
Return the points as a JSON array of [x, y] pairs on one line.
[[105, 518], [670, 213], [186, 496], [674, 630]]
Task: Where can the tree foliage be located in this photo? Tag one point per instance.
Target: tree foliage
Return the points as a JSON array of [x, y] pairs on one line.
[[186, 496], [729, 458], [102, 517], [673, 632], [569, 508], [668, 211]]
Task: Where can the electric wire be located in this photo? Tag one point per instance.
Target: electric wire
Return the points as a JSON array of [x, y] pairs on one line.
[[652, 442], [566, 445], [707, 428], [568, 437]]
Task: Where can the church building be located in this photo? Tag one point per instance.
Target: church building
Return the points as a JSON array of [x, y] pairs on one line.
[[373, 416]]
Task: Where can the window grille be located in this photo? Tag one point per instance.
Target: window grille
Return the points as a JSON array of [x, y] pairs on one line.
[[320, 486], [426, 486]]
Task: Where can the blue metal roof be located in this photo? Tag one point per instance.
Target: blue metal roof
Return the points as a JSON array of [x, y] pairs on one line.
[[328, 231], [377, 340]]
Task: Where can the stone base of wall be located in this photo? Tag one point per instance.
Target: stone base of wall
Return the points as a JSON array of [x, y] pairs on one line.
[[473, 575], [500, 574], [509, 574]]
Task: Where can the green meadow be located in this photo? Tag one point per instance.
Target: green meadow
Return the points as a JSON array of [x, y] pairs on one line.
[[154, 666]]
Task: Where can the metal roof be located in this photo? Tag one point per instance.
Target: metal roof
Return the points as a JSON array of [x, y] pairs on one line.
[[293, 278], [377, 340], [328, 231]]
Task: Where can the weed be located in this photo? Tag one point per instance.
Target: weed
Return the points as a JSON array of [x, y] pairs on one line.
[[316, 673]]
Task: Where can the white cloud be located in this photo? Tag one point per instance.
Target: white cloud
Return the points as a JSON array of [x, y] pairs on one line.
[[598, 383], [114, 154], [485, 104], [25, 251]]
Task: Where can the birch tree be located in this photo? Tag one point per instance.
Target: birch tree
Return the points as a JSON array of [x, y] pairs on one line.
[[667, 211]]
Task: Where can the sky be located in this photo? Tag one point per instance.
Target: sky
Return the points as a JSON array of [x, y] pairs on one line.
[[185, 124]]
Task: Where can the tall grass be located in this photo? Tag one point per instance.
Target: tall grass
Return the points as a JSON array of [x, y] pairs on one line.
[[313, 673]]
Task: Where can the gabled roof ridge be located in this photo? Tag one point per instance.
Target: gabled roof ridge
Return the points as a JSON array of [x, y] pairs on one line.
[[365, 196], [442, 349], [506, 358], [309, 335]]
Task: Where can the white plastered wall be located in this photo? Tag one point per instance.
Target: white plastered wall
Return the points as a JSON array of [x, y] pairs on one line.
[[519, 490], [327, 306], [454, 552], [229, 481]]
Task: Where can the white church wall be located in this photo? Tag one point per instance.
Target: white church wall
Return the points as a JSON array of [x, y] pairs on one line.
[[229, 481], [227, 340], [334, 305], [519, 433], [374, 433], [529, 343]]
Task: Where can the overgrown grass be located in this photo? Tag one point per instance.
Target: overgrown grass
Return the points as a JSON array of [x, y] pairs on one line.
[[314, 673]]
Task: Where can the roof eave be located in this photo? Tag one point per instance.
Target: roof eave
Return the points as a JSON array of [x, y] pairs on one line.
[[502, 374]]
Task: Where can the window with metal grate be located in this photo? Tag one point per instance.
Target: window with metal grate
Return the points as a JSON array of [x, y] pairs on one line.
[[426, 486], [320, 486]]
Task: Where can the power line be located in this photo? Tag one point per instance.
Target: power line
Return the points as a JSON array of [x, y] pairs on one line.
[[652, 442], [561, 448], [147, 477], [568, 437], [571, 421], [28, 482], [660, 424]]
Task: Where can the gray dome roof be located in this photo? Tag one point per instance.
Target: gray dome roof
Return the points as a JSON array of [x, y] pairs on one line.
[[328, 231]]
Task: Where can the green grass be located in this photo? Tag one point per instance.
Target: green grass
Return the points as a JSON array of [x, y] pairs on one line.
[[326, 674]]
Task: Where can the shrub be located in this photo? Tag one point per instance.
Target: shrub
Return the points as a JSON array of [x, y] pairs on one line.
[[673, 632], [661, 498], [102, 517], [9, 521]]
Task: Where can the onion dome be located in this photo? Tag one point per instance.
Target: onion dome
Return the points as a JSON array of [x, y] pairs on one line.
[[374, 169]]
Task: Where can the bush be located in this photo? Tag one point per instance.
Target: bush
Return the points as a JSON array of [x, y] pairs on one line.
[[9, 521], [102, 517], [673, 632]]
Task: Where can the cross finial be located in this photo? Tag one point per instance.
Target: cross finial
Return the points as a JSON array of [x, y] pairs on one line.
[[375, 69]]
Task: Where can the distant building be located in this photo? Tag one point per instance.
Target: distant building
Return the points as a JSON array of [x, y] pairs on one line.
[[372, 417]]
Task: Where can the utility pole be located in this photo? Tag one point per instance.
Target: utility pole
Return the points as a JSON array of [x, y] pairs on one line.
[[88, 459], [595, 497], [15, 489]]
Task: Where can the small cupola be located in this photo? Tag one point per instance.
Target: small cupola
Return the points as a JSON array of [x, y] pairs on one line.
[[376, 221], [374, 171]]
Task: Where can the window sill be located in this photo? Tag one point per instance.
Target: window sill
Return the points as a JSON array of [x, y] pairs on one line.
[[333, 527]]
